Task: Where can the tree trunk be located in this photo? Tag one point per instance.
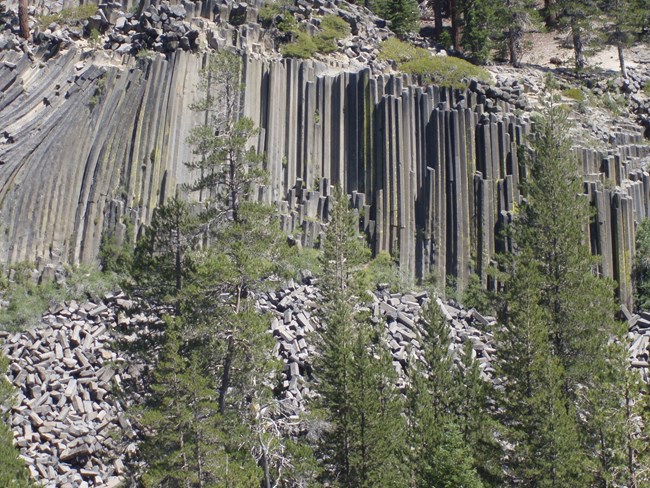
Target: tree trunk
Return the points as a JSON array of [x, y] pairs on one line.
[[455, 24], [578, 48], [225, 377], [437, 12], [514, 36], [621, 59], [23, 19], [631, 456], [550, 13]]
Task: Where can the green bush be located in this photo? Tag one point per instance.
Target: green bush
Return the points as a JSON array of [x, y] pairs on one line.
[[69, 15], [335, 27], [399, 51], [268, 13], [444, 71], [646, 89], [288, 24], [303, 47], [28, 300], [13, 472], [575, 94], [325, 44]]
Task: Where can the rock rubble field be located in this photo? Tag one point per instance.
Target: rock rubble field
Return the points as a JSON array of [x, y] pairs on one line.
[[69, 417]]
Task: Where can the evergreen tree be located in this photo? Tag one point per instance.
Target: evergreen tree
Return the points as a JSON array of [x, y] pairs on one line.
[[579, 16], [364, 446], [162, 261], [227, 169], [481, 20], [556, 341], [642, 269], [625, 20], [519, 16], [439, 453], [13, 473], [402, 15], [187, 443]]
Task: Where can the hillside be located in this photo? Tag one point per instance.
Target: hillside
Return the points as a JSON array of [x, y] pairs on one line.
[[336, 255]]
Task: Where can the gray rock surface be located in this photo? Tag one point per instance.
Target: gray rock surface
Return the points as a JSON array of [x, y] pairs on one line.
[[92, 141]]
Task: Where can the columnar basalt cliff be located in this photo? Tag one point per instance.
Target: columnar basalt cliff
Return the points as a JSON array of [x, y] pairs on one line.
[[90, 144]]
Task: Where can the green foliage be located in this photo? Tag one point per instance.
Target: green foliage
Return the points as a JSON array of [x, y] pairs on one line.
[[335, 27], [365, 445], [481, 19], [575, 94], [188, 444], [442, 446], [557, 323], [393, 49], [13, 473], [28, 300], [440, 70], [145, 54], [116, 258], [94, 38], [289, 24], [163, 261], [642, 270], [72, 15], [646, 89], [402, 15], [382, 269], [444, 71], [303, 47], [268, 13], [227, 169]]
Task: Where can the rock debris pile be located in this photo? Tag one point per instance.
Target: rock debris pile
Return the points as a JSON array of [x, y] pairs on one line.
[[294, 324], [67, 417], [638, 338]]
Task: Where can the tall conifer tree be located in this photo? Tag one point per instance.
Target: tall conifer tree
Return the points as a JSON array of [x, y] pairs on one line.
[[558, 327]]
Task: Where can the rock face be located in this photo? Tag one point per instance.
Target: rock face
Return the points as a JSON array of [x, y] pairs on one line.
[[91, 144]]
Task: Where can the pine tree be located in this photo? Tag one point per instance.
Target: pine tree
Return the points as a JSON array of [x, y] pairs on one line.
[[228, 170], [579, 16], [481, 20], [519, 16], [364, 446], [439, 453], [625, 20], [162, 261], [402, 15], [642, 268], [13, 472], [187, 442], [556, 341]]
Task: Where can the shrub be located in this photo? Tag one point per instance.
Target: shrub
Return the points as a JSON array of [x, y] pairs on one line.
[[575, 94], [13, 472], [335, 27], [28, 300], [444, 71], [303, 47], [325, 44], [399, 51], [288, 24], [69, 15], [268, 13]]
